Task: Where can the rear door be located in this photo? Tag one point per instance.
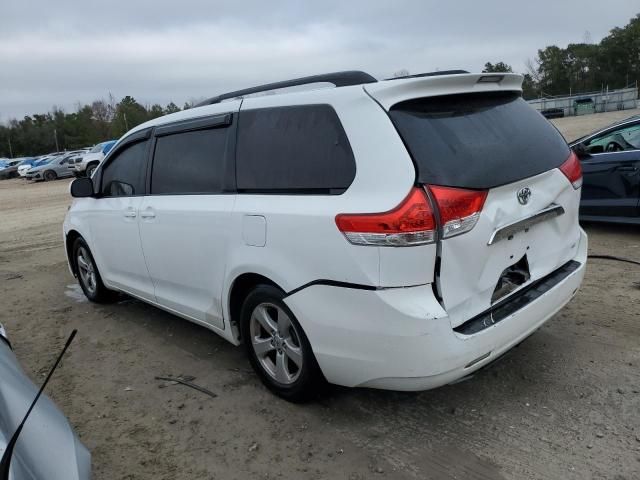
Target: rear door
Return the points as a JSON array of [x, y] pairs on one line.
[[491, 142], [184, 221], [612, 173]]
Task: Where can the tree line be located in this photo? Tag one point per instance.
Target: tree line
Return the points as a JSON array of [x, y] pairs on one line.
[[612, 63]]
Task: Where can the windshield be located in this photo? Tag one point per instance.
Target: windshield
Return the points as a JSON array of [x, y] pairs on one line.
[[97, 148], [43, 161]]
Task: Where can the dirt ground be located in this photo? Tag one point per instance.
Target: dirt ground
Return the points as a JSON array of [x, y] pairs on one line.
[[563, 405]]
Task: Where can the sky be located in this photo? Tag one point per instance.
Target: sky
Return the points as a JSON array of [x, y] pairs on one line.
[[62, 53]]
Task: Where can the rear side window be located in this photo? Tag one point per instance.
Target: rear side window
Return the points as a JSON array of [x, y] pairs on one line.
[[477, 140], [190, 162], [296, 149], [124, 175]]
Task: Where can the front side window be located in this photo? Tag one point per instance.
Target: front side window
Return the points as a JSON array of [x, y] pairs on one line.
[[190, 162], [296, 149], [124, 175], [618, 140]]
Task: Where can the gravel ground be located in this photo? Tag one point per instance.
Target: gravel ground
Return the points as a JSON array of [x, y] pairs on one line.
[[563, 405]]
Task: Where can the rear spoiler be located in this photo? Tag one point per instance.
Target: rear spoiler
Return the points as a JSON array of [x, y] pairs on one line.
[[390, 92]]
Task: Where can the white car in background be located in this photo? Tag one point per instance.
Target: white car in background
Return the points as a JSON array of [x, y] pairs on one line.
[[85, 164], [397, 234], [25, 167]]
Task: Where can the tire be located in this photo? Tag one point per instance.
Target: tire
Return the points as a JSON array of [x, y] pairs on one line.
[[88, 275], [49, 175], [277, 347], [90, 170]]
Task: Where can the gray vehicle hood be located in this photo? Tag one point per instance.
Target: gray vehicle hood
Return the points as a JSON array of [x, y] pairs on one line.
[[47, 448]]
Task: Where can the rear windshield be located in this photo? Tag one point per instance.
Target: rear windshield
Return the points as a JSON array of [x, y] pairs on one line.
[[477, 140]]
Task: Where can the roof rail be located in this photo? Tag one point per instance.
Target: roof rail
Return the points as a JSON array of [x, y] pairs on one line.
[[431, 74], [339, 79]]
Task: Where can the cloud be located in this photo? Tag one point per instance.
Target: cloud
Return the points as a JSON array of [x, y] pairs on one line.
[[64, 52]]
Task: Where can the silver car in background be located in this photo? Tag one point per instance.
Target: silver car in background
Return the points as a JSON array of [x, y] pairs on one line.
[[52, 168], [47, 447]]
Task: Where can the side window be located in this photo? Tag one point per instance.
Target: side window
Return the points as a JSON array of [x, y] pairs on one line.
[[621, 139], [190, 162], [124, 175], [297, 149]]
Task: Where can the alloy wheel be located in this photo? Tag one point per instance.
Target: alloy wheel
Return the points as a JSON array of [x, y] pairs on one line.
[[87, 270], [276, 343]]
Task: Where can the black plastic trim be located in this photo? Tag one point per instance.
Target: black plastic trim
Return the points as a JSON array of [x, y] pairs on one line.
[[332, 283], [202, 123], [517, 301], [339, 79]]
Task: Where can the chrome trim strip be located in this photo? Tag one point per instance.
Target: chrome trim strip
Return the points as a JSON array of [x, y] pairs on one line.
[[509, 229]]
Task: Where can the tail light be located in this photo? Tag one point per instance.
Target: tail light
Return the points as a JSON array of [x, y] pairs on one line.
[[410, 223], [459, 208], [572, 170]]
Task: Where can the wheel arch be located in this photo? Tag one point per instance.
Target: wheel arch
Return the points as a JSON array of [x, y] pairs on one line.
[[70, 239], [240, 288]]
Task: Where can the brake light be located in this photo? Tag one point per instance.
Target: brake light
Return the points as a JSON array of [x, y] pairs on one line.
[[459, 208], [410, 223], [572, 170]]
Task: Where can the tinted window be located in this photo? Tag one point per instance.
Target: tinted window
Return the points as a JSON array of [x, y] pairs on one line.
[[190, 162], [293, 149], [125, 173], [477, 140]]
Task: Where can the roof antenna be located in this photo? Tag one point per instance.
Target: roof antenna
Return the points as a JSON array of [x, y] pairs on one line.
[[5, 463]]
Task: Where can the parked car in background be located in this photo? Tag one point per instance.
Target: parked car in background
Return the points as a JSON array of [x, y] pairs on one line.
[[47, 447], [51, 168], [610, 160], [396, 234], [26, 165], [85, 164], [23, 169], [9, 169]]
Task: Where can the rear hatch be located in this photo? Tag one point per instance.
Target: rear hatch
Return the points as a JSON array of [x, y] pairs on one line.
[[507, 214]]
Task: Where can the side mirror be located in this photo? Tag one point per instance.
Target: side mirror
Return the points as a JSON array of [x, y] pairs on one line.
[[81, 188], [580, 150]]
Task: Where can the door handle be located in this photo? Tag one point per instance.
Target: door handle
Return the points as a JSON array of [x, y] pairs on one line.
[[130, 213], [627, 169], [148, 213]]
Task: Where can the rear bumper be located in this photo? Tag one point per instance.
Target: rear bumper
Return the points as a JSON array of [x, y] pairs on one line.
[[401, 338]]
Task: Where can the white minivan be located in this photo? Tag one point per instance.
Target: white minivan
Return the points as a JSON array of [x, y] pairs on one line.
[[395, 234]]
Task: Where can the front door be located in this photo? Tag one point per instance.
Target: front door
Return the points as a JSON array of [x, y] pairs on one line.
[[114, 220]]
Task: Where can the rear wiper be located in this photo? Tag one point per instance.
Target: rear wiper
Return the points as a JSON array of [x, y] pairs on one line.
[[5, 463]]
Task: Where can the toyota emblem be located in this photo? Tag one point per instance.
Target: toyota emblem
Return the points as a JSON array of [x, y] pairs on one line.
[[524, 195]]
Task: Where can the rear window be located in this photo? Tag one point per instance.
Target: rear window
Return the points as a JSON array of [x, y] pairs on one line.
[[477, 140], [297, 149]]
